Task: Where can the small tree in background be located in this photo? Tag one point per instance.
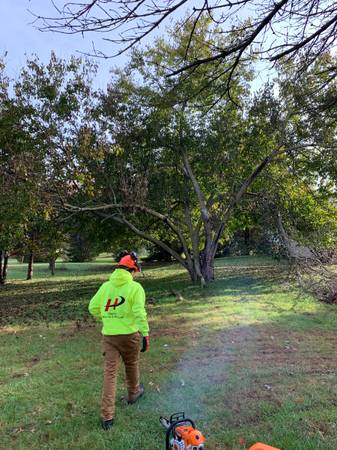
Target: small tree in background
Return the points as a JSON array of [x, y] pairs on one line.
[[81, 248]]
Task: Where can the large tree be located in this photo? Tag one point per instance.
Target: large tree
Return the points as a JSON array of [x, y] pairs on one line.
[[164, 167]]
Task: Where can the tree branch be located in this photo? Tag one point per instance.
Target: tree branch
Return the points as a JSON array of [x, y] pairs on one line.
[[150, 238], [242, 190], [241, 47], [147, 210]]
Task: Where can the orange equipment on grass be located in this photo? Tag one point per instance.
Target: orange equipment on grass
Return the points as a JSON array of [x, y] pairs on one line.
[[182, 434], [260, 446], [192, 438]]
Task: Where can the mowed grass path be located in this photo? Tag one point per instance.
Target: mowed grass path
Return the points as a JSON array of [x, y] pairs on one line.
[[249, 358]]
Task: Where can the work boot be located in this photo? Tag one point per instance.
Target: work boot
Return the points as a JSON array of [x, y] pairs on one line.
[[107, 424], [137, 396]]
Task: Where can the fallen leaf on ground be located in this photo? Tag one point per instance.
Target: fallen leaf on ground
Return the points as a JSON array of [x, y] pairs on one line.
[[35, 360], [71, 407], [20, 375]]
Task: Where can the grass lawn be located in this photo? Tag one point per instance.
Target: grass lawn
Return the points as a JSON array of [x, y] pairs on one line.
[[249, 358]]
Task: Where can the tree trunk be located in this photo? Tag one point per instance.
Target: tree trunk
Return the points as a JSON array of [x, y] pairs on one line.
[[2, 281], [195, 275], [193, 268], [5, 266], [30, 267], [247, 237], [202, 271], [208, 271], [207, 264], [52, 266]]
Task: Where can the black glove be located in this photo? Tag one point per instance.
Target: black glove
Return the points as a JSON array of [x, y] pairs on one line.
[[145, 344]]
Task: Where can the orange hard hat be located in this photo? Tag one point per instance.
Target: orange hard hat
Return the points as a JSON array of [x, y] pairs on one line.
[[129, 262]]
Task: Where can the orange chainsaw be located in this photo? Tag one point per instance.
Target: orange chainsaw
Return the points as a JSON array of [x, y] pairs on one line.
[[182, 434]]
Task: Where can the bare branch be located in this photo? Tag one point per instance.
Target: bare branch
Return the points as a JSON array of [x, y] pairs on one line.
[[301, 44], [197, 189], [241, 47], [243, 189], [142, 208], [155, 241], [276, 30]]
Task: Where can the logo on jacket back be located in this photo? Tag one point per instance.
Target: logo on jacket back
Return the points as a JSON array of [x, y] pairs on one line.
[[117, 302]]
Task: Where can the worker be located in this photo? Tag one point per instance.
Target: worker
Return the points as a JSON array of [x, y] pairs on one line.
[[120, 305]]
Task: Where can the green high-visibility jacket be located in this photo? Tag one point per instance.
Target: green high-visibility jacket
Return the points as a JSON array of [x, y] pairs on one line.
[[120, 304]]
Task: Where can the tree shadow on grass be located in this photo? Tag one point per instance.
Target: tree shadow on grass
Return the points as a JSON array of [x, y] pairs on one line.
[[59, 300], [45, 301]]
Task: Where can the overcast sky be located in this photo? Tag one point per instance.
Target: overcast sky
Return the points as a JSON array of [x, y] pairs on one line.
[[20, 37]]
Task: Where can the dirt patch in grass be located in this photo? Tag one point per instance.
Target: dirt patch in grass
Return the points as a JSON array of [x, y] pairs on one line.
[[287, 369], [249, 374]]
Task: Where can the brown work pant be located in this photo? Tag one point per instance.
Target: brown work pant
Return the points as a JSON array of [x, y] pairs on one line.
[[115, 347]]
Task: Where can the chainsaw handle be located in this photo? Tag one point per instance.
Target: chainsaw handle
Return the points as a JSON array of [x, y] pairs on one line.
[[173, 426]]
